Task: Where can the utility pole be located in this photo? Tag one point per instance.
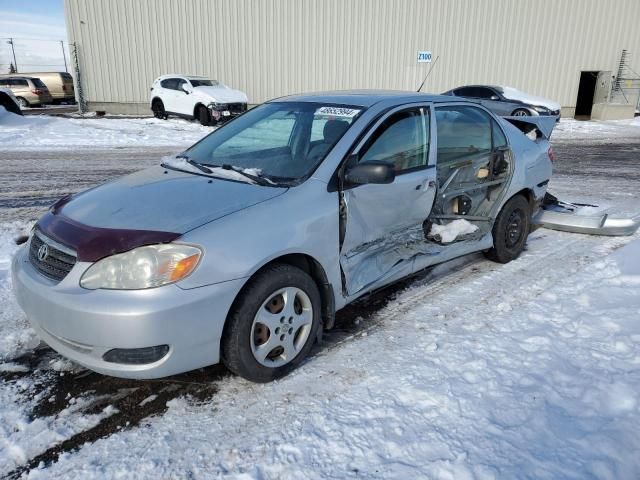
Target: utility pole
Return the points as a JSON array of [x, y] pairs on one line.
[[15, 64], [64, 56]]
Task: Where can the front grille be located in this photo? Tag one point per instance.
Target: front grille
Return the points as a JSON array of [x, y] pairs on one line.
[[56, 264], [237, 108]]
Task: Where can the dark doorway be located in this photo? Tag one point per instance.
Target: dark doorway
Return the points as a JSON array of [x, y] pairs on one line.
[[586, 91]]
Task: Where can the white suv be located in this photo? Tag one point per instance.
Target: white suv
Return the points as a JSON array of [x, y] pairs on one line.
[[188, 96]]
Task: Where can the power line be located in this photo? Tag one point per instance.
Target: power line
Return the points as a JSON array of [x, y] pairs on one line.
[[36, 64], [33, 39]]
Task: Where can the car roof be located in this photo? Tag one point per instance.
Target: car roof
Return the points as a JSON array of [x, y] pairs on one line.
[[183, 75], [495, 87], [365, 98]]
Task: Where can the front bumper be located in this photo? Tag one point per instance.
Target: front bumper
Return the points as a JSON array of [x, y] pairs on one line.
[[84, 324], [226, 111]]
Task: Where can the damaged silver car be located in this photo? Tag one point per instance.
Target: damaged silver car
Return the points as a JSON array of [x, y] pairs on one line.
[[242, 248]]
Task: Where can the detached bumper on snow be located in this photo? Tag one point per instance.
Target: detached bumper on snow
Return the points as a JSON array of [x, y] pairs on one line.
[[593, 225], [558, 215]]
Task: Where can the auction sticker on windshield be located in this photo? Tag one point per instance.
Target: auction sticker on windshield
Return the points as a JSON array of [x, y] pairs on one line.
[[338, 112]]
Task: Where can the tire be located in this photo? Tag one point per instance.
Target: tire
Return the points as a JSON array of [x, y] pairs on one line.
[[261, 352], [521, 112], [510, 230], [22, 102], [158, 109], [202, 114]]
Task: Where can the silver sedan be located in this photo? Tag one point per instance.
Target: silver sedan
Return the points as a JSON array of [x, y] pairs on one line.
[[242, 248]]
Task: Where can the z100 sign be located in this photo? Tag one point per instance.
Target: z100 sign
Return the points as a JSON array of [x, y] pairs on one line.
[[424, 57]]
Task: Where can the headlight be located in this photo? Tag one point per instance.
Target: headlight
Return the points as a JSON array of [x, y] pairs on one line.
[[143, 267], [541, 109]]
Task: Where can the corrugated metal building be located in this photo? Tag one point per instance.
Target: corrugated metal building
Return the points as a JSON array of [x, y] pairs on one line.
[[270, 48]]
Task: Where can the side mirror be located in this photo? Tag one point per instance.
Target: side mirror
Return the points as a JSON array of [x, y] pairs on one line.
[[495, 98], [373, 171], [187, 88]]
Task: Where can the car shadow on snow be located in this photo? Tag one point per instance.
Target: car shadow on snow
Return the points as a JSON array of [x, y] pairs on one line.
[[54, 393]]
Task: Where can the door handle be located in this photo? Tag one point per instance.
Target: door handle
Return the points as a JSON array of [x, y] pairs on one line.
[[426, 184]]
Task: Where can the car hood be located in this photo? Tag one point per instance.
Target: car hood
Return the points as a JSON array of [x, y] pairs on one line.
[[222, 94], [515, 94], [159, 199]]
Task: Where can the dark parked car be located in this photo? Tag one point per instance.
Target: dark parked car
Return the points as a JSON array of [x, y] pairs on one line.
[[508, 101]]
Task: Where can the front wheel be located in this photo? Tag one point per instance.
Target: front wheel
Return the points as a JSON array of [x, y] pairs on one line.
[[521, 112], [273, 324], [203, 116], [510, 230]]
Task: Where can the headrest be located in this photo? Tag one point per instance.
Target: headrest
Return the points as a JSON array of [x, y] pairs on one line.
[[333, 130]]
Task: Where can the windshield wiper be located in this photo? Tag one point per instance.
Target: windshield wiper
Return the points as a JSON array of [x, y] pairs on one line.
[[256, 178], [199, 166]]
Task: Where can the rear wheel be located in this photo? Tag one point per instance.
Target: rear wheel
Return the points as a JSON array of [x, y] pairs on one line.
[[158, 109], [273, 325], [202, 114], [521, 112], [510, 230], [22, 102]]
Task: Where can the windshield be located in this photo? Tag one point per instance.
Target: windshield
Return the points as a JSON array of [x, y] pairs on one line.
[[203, 83], [280, 141]]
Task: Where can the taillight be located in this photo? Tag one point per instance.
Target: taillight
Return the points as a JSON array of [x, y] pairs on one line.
[[550, 154], [38, 91]]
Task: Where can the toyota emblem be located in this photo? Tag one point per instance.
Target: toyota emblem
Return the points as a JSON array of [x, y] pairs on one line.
[[43, 252]]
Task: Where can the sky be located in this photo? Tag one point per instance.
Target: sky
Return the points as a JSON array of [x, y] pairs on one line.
[[37, 26]]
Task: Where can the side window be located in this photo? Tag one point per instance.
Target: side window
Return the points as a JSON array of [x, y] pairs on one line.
[[402, 139], [170, 83], [179, 83], [462, 132], [464, 92], [499, 139], [480, 92]]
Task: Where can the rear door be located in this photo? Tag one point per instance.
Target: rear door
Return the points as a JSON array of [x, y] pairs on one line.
[[474, 167], [382, 221], [169, 94]]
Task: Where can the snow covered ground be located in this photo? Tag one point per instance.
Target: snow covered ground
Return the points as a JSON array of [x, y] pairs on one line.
[[47, 132], [571, 130], [473, 371]]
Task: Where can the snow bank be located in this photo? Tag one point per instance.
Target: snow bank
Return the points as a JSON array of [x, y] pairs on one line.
[[43, 131], [569, 129], [448, 232], [15, 334]]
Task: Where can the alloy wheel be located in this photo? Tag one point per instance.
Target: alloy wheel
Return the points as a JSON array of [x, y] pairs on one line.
[[281, 327]]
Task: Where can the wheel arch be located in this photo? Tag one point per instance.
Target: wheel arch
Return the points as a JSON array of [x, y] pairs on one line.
[[196, 107], [314, 269], [529, 196]]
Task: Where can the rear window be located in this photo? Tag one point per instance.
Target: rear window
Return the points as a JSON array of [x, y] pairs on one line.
[[38, 83], [66, 77]]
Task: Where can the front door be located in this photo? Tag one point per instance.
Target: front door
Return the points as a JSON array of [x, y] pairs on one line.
[[381, 222]]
